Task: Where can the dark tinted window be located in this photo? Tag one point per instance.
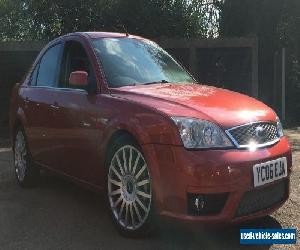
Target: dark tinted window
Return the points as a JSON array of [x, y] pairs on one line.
[[49, 65], [75, 58]]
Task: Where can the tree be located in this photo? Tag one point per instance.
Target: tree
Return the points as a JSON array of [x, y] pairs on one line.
[[276, 24], [13, 21], [45, 19]]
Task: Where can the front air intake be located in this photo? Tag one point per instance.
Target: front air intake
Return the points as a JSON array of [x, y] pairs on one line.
[[205, 204]]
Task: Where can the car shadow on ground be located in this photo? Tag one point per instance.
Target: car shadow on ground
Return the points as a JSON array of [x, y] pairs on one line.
[[168, 235], [61, 215]]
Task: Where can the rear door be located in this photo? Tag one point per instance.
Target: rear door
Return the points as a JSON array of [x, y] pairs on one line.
[[38, 108]]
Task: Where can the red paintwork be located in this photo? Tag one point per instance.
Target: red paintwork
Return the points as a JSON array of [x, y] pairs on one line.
[[222, 106], [79, 78], [69, 132]]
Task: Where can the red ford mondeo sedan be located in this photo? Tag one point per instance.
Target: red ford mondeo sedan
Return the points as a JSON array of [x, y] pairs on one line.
[[117, 113]]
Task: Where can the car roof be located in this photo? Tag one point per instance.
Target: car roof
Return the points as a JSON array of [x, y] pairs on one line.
[[95, 34]]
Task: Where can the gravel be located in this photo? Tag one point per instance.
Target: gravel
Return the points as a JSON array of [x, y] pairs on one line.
[[60, 215]]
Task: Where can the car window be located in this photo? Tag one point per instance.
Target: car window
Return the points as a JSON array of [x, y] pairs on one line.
[[75, 58], [129, 61], [34, 75], [48, 69]]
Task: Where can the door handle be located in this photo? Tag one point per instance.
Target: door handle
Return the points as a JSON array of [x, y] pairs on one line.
[[85, 124], [53, 106], [26, 100]]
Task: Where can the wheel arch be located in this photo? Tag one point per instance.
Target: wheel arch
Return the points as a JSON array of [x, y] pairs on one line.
[[19, 121], [17, 124], [113, 138]]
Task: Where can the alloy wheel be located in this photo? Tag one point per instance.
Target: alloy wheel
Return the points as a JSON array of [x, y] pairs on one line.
[[129, 188], [20, 156]]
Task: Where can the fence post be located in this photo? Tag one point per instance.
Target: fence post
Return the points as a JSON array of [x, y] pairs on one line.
[[193, 61], [283, 85], [275, 80], [255, 69]]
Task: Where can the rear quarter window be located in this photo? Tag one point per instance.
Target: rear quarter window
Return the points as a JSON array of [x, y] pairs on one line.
[[34, 75], [47, 74]]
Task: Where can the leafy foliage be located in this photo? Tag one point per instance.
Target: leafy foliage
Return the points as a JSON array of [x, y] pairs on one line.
[[45, 19], [276, 24]]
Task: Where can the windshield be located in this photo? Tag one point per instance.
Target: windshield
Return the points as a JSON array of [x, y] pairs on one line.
[[127, 61]]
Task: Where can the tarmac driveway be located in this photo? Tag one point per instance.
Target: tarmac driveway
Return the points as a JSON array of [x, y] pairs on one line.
[[61, 215]]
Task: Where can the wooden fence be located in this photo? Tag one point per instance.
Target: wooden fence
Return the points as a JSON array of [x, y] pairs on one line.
[[213, 61]]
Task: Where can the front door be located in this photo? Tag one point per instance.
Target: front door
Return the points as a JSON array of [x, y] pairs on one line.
[[76, 133]]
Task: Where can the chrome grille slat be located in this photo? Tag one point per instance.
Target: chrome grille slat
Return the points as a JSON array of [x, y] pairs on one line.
[[245, 135]]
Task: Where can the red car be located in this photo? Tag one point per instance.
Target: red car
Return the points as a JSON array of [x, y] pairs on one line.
[[117, 113]]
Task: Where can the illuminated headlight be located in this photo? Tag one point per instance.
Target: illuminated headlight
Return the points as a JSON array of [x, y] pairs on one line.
[[197, 133], [279, 127]]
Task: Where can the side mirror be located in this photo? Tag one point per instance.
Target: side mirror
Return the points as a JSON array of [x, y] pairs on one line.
[[78, 78]]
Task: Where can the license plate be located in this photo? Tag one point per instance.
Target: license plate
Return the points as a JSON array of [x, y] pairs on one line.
[[269, 171]]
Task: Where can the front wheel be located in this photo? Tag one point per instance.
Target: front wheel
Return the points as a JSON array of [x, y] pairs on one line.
[[129, 189], [26, 172]]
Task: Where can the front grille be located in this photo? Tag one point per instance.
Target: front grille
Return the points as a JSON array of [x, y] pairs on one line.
[[263, 198], [259, 134]]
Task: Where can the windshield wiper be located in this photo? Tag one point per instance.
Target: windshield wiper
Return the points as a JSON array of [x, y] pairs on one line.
[[162, 81]]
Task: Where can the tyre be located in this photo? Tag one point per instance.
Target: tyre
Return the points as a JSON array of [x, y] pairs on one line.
[[26, 172], [129, 189]]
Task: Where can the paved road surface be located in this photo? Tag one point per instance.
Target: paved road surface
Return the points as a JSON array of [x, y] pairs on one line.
[[60, 215]]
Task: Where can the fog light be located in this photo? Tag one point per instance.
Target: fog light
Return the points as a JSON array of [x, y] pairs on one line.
[[205, 204], [199, 202]]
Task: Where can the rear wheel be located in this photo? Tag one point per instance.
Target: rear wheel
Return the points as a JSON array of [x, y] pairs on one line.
[[26, 172], [129, 189]]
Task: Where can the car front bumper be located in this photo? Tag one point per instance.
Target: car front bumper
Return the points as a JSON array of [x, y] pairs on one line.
[[177, 172]]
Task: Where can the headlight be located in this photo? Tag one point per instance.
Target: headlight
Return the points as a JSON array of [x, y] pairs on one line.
[[200, 133], [279, 127]]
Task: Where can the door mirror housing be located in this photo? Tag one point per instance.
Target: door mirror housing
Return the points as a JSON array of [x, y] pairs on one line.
[[78, 79]]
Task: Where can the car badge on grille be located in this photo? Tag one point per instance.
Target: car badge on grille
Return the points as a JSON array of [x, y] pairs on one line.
[[260, 133]]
